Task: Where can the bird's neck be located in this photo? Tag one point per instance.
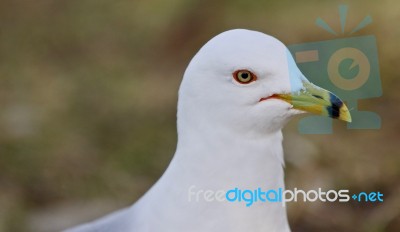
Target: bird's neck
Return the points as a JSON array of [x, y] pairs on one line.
[[212, 160], [221, 159]]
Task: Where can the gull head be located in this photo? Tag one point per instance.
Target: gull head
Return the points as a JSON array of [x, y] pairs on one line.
[[248, 81]]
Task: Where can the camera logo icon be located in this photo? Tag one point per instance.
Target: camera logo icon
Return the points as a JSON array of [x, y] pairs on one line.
[[348, 67]]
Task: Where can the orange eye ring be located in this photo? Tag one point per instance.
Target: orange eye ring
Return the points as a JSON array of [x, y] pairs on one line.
[[244, 76]]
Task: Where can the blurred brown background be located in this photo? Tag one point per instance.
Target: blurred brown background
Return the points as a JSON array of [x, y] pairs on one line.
[[88, 94]]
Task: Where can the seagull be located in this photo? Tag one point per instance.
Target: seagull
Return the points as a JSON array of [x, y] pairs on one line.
[[236, 95]]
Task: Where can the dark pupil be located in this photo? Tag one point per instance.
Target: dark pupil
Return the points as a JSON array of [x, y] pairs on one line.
[[244, 75]]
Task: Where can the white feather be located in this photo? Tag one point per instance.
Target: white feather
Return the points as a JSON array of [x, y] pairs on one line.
[[226, 139]]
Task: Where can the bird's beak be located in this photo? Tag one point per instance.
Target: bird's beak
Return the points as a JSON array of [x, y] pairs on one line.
[[314, 99]]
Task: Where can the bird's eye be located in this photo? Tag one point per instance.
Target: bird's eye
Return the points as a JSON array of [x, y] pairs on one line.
[[244, 76]]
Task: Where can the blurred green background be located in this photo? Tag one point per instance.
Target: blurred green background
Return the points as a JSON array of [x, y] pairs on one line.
[[88, 93]]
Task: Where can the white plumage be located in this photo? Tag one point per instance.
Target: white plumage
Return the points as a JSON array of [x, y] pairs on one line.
[[229, 135]]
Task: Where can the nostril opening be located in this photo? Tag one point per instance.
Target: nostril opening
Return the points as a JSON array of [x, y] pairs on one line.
[[316, 96]]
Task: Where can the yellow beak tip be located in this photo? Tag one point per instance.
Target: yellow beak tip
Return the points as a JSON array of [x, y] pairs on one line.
[[345, 114], [346, 118]]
